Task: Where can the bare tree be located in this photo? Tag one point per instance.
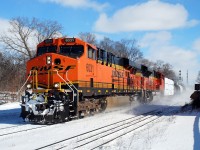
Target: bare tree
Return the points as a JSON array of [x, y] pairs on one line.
[[168, 71], [11, 73], [160, 66], [146, 62], [46, 29], [133, 50], [88, 37], [107, 44], [198, 77], [120, 49], [123, 48], [25, 34], [165, 68], [128, 48]]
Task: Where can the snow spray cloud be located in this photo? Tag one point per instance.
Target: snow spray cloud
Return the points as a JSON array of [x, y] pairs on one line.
[[160, 102], [177, 99]]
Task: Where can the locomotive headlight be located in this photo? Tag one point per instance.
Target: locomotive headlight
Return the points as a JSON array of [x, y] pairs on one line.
[[48, 60], [56, 85], [29, 86]]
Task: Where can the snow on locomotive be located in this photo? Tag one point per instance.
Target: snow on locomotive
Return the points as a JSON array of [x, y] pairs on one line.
[[70, 78]]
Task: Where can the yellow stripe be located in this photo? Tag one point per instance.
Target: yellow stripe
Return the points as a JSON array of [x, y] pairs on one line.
[[112, 65]]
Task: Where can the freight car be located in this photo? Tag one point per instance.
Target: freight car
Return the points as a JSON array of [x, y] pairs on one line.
[[69, 78]]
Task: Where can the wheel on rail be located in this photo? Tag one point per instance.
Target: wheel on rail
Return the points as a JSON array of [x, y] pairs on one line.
[[103, 104], [145, 97]]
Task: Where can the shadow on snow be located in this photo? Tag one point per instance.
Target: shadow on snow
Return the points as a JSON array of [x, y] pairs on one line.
[[143, 108], [196, 133], [11, 116]]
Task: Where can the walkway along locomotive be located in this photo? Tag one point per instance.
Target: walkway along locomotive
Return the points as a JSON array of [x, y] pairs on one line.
[[70, 78]]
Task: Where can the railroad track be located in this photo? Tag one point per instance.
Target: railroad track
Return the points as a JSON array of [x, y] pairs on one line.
[[15, 126], [128, 130], [108, 133], [17, 129]]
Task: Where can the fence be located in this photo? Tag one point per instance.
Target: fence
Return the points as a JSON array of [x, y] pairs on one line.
[[8, 96]]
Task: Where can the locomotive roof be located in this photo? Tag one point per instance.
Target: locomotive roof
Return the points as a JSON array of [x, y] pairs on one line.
[[125, 62]]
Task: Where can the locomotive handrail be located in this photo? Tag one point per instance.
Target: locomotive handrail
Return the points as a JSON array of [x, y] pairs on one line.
[[35, 78], [74, 88], [24, 83], [70, 82], [66, 83]]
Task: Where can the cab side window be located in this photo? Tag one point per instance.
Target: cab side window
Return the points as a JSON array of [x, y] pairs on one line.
[[91, 53]]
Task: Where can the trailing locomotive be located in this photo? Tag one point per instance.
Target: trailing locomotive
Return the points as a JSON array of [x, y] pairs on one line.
[[70, 78]]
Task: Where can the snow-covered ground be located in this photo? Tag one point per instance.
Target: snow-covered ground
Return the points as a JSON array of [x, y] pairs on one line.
[[170, 132]]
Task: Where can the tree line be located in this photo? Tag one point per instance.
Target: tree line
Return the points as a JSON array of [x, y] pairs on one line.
[[20, 41]]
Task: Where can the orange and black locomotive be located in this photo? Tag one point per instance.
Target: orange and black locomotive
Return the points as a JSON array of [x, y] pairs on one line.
[[70, 78]]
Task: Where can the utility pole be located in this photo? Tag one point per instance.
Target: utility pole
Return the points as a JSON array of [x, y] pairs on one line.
[[180, 79]]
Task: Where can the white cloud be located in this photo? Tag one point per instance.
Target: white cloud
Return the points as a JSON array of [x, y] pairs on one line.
[[152, 15], [3, 29], [80, 4], [196, 45], [99, 36], [5, 25], [160, 48], [154, 39]]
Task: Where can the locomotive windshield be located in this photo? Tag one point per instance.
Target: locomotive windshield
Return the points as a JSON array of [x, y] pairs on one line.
[[46, 49], [73, 51]]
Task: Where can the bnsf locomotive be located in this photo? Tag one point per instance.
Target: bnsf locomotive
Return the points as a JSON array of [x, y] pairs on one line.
[[70, 78]]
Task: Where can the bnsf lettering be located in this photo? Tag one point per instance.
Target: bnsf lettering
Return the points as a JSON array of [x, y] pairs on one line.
[[117, 74], [45, 68], [70, 67], [57, 67], [89, 68]]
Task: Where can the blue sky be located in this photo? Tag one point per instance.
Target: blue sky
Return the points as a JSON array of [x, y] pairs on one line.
[[165, 29]]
